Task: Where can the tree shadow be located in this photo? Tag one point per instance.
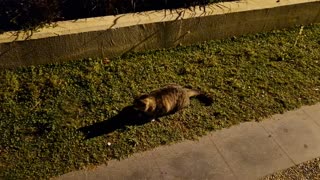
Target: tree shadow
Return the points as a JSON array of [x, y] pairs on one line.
[[128, 116]]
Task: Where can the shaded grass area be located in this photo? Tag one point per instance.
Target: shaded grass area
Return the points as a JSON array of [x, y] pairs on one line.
[[250, 77]]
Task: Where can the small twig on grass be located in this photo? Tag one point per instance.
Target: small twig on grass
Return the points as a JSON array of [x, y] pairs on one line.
[[300, 33], [35, 106]]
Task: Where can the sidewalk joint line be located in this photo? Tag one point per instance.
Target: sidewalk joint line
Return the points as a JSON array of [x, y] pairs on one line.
[[218, 150], [275, 141], [309, 117]]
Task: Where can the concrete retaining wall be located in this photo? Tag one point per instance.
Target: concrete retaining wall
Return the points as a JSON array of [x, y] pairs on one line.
[[114, 35]]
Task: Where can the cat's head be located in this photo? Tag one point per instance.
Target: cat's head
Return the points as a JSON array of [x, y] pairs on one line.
[[144, 103]]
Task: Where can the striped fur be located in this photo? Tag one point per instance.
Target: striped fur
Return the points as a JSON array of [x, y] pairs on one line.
[[168, 100]]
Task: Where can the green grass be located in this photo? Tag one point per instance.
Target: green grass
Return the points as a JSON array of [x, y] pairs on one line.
[[250, 77]]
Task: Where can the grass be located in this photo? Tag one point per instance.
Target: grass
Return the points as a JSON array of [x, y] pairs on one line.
[[307, 170], [250, 77]]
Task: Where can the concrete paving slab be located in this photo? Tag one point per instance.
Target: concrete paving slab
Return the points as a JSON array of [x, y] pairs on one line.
[[193, 160], [296, 133], [250, 152], [139, 166], [313, 112]]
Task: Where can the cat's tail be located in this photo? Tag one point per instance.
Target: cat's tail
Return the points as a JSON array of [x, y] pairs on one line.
[[206, 99], [203, 97]]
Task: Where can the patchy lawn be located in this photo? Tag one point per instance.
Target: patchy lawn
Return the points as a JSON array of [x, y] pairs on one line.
[[250, 77]]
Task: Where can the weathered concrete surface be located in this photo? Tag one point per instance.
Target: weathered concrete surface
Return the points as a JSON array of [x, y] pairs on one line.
[[313, 112], [297, 134], [114, 35], [192, 160], [248, 151]]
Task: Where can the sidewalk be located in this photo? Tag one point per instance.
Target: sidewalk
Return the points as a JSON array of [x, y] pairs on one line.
[[246, 151]]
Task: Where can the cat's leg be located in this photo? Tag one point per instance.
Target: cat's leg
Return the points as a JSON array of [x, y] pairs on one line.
[[155, 118]]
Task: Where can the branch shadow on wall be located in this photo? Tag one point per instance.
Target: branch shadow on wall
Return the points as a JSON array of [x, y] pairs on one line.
[[128, 116]]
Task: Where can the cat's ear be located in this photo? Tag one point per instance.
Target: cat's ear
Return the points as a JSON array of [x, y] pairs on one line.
[[136, 96], [142, 96]]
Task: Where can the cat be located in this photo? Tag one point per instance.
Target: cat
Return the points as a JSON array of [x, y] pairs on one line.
[[168, 100]]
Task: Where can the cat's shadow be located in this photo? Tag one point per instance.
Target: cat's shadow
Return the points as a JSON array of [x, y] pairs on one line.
[[128, 116]]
